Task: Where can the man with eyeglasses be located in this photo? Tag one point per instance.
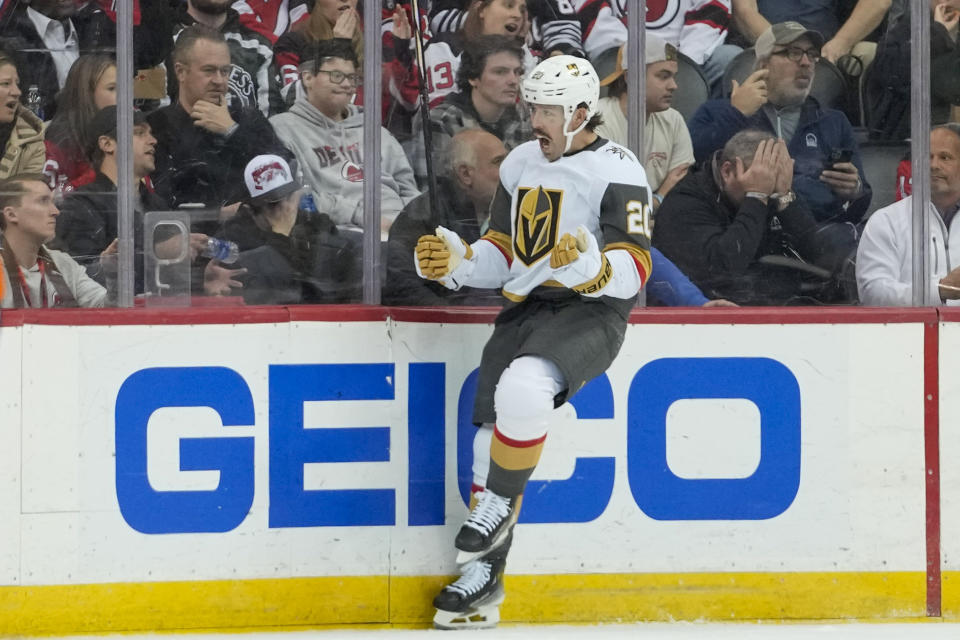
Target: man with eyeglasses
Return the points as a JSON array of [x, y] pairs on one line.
[[828, 171], [324, 129], [203, 140]]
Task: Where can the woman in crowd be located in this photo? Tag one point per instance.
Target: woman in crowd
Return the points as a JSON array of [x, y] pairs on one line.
[[21, 132], [91, 85]]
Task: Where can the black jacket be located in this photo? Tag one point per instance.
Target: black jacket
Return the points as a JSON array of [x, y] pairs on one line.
[[195, 165], [88, 224], [316, 263], [251, 54], [151, 37], [723, 247], [403, 286], [34, 63]]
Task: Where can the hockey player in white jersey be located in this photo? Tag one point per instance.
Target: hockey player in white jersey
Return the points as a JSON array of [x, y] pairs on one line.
[[568, 245]]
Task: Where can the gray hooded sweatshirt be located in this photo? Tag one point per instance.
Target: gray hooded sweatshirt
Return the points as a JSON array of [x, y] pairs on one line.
[[330, 155]]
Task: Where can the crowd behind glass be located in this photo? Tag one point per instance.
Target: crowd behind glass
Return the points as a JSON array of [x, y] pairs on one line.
[[775, 131]]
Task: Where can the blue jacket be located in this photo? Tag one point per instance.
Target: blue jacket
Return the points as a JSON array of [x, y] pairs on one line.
[[669, 286], [819, 132]]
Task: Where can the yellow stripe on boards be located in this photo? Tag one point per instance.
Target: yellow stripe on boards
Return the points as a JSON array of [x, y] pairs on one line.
[[696, 596], [221, 604], [950, 594], [314, 602]]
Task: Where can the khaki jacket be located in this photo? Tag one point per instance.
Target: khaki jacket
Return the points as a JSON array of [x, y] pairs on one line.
[[25, 152]]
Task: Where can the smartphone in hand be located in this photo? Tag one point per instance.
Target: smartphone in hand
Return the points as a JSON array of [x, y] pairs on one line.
[[839, 156]]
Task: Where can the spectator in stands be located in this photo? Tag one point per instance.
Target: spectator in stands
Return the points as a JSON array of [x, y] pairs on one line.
[[753, 17], [21, 132], [340, 19], [554, 21], [251, 53], [697, 28], [325, 132], [465, 190], [96, 20], [35, 276], [887, 84], [204, 142], [667, 148], [776, 98], [488, 83], [45, 42], [291, 256], [272, 18], [87, 225], [885, 255], [91, 86], [724, 226], [460, 28]]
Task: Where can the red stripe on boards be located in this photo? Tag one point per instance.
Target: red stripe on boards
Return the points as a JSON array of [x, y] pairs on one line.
[[931, 436]]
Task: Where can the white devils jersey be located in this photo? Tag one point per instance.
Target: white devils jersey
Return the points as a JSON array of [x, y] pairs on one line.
[[601, 187]]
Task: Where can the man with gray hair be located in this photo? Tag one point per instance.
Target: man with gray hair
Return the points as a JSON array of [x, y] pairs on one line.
[[466, 186], [776, 98], [725, 227], [885, 254]]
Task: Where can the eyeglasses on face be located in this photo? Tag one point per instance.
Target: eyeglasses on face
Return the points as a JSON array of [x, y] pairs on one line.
[[337, 77], [796, 53]]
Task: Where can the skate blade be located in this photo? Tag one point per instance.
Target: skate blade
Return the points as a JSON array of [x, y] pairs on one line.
[[463, 557], [486, 616]]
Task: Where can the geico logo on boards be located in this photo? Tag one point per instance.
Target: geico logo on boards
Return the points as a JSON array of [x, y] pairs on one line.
[[656, 489]]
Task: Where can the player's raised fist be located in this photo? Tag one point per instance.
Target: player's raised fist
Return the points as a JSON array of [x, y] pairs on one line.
[[564, 252], [437, 256], [432, 257]]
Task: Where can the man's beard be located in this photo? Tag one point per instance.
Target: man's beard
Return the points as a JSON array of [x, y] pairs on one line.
[[211, 7]]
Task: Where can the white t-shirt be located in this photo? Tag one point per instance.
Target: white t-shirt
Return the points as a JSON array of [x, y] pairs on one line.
[[666, 140]]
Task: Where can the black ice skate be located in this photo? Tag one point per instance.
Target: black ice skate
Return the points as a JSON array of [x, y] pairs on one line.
[[487, 528], [473, 601]]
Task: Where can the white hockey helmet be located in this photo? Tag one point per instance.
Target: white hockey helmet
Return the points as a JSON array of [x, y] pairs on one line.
[[567, 81]]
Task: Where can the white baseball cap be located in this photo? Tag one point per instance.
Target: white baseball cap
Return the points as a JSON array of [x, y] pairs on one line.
[[656, 50], [269, 179]]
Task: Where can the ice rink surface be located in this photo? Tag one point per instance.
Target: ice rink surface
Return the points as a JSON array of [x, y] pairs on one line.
[[658, 631]]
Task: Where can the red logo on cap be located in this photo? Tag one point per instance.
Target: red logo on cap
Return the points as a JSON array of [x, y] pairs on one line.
[[263, 175]]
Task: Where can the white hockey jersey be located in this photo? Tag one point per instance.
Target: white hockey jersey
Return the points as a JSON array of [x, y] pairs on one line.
[[601, 187], [695, 27]]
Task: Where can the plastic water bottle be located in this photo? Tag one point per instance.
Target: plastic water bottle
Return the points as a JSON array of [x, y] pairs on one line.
[[34, 101], [307, 204], [221, 250], [61, 190]]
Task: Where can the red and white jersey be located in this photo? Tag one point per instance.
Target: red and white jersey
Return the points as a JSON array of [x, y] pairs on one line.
[[442, 58], [442, 63], [271, 18], [695, 27]]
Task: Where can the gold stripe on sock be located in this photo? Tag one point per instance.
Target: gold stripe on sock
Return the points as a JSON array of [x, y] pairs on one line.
[[514, 458]]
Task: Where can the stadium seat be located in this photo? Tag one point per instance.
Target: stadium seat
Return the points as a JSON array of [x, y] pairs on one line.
[[692, 88]]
